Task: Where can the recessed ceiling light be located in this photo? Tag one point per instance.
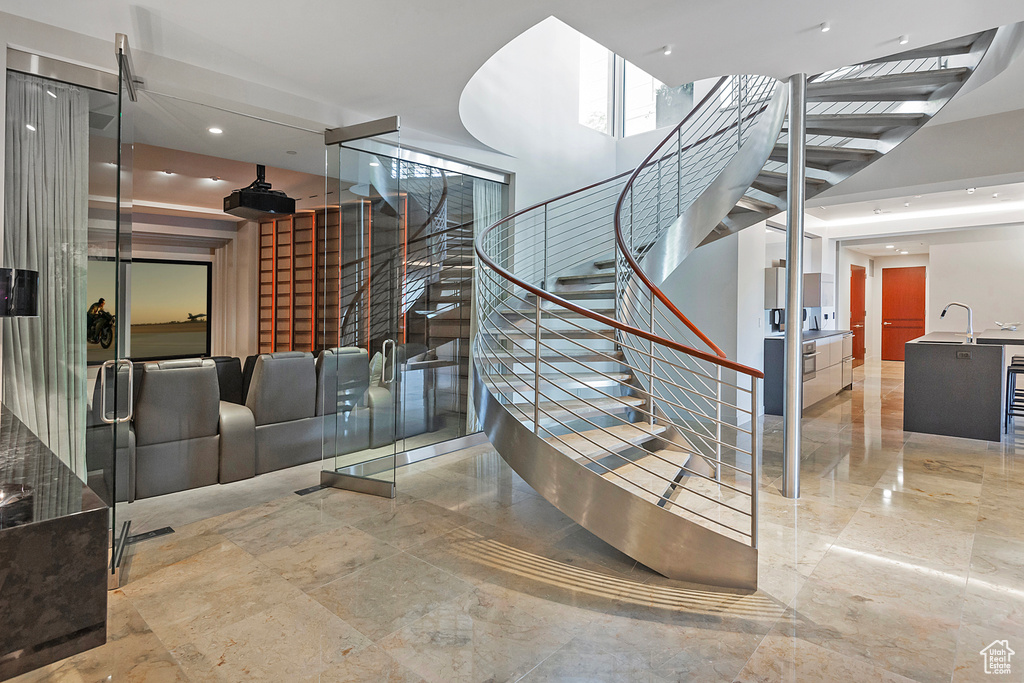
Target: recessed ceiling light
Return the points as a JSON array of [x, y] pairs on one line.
[[51, 94], [667, 50], [995, 195], [904, 39], [291, 151], [904, 252], [970, 190], [825, 27], [890, 246], [215, 131], [878, 211], [374, 163], [111, 163], [168, 171], [215, 178], [30, 127], [906, 203], [917, 196]]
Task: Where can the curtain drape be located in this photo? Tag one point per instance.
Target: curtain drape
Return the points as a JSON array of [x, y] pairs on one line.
[[487, 209], [46, 184]]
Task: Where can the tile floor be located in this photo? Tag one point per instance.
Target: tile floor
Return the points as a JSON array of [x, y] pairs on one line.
[[903, 558]]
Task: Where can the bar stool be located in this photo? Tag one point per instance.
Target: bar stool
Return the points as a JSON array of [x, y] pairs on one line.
[[1014, 396]]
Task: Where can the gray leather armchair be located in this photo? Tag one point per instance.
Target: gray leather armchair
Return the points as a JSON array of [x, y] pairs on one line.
[[184, 434], [282, 398]]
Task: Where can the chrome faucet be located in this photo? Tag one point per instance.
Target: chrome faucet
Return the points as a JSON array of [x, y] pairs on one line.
[[970, 318]]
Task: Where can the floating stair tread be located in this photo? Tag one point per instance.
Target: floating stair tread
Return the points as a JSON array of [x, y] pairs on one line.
[[592, 278], [823, 153], [586, 294], [957, 46], [890, 87], [597, 443], [564, 411], [529, 313], [585, 358], [551, 335], [605, 264], [579, 381]]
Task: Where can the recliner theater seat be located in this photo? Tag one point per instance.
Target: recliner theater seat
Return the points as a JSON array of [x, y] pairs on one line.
[[282, 398]]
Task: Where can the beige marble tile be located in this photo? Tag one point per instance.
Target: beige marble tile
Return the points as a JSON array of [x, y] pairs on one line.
[[292, 640], [325, 557], [368, 664], [783, 658], [930, 545], [970, 664], [411, 524], [384, 596], [210, 590], [146, 557], [957, 516], [899, 617], [287, 525], [817, 516], [487, 634], [937, 487], [669, 650], [581, 659]]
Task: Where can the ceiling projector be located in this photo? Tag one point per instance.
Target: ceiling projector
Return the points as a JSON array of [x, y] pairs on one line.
[[257, 200]]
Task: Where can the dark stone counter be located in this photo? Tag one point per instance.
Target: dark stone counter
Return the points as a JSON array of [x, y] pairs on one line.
[[53, 555]]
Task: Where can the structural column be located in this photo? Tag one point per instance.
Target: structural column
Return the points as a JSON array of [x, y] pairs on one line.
[[793, 373]]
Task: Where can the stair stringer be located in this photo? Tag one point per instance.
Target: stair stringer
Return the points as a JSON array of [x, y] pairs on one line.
[[662, 540], [697, 221]]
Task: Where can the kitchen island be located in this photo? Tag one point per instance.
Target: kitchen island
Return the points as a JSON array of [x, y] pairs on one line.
[[953, 387]]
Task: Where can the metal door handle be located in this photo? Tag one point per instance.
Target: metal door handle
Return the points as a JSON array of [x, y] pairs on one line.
[[394, 361], [887, 323], [858, 326], [116, 365]]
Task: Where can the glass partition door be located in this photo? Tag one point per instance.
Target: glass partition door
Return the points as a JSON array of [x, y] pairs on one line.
[[362, 249]]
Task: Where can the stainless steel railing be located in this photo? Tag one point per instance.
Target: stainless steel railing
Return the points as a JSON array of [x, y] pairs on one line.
[[629, 390]]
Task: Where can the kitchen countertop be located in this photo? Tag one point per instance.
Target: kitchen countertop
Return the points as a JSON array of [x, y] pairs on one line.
[[35, 485], [995, 336], [811, 335], [941, 338]]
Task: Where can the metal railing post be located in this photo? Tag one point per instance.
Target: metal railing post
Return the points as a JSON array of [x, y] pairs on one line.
[[650, 366], [755, 477], [679, 172], [544, 277], [793, 364], [739, 111], [718, 424], [536, 371]]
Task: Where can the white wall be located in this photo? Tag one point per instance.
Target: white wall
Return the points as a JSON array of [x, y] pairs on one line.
[[524, 102], [983, 269]]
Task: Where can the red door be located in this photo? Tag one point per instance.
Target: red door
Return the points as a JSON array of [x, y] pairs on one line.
[[902, 309], [858, 312]]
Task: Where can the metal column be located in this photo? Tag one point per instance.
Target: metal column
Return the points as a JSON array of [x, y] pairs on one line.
[[793, 373]]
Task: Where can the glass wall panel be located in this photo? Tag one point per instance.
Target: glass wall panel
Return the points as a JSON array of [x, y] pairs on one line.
[[401, 296]]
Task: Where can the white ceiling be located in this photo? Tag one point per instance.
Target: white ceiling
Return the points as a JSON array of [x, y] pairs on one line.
[[414, 59]]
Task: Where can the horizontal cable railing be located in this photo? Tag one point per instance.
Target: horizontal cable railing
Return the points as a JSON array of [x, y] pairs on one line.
[[632, 391]]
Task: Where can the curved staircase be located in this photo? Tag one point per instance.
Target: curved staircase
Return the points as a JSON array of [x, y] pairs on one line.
[[594, 386]]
